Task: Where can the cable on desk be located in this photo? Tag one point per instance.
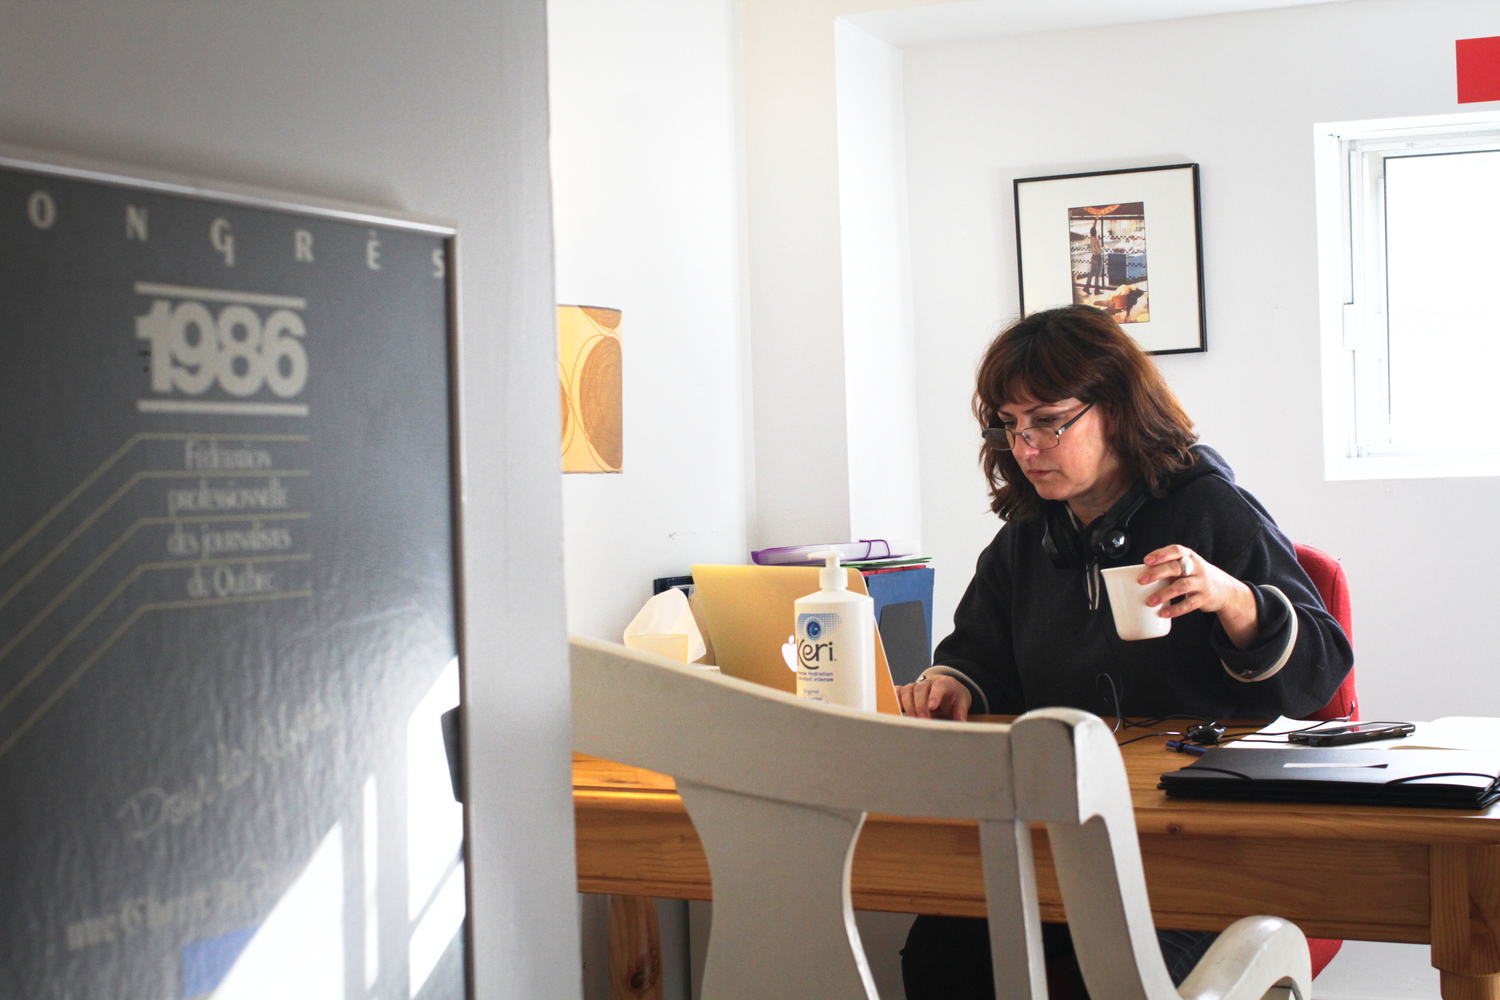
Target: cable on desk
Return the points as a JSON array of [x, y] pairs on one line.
[[1250, 736], [1114, 693], [1143, 723], [1137, 739]]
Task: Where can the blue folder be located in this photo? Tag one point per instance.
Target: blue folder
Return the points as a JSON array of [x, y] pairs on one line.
[[903, 609]]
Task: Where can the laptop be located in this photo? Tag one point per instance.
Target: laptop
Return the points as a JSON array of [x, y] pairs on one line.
[[1442, 779], [746, 616]]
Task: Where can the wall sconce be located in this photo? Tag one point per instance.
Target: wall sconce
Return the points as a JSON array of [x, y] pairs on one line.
[[589, 365]]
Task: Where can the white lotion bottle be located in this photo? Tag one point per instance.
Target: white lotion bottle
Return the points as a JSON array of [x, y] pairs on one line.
[[836, 641]]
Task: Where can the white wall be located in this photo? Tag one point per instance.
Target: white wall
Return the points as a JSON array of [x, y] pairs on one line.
[[645, 141], [809, 349], [880, 400], [794, 232], [438, 108], [1237, 93], [648, 214], [968, 20]]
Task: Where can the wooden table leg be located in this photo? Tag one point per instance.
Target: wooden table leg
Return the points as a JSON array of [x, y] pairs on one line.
[[634, 949], [1466, 920]]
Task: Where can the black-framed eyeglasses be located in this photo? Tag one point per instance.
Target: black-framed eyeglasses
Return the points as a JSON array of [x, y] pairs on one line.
[[1040, 438]]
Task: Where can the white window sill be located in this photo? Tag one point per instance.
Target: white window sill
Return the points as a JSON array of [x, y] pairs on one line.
[[1411, 467]]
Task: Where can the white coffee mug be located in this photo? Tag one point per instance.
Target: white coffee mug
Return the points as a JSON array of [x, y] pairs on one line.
[[1127, 599]]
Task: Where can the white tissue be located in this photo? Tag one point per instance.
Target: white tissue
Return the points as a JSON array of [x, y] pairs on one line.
[[668, 613]]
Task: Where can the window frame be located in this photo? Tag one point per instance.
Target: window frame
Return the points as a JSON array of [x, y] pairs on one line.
[[1349, 166]]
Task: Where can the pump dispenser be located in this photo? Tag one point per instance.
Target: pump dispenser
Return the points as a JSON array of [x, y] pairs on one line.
[[836, 641]]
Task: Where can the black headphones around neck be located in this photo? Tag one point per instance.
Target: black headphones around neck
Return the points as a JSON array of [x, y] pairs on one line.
[[1108, 539]]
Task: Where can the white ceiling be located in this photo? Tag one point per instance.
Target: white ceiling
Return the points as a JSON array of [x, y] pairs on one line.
[[936, 24]]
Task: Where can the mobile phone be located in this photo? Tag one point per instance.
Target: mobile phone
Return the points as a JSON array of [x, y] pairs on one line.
[[1355, 732]]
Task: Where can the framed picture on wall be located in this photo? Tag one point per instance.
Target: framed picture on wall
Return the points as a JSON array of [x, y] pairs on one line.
[[1087, 239]]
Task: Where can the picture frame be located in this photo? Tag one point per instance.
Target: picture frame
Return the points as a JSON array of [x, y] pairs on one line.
[[1086, 239]]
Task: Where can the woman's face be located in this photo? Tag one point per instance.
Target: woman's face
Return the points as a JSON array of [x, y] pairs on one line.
[[1083, 469]]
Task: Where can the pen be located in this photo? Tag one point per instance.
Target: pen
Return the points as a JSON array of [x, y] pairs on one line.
[[1183, 746]]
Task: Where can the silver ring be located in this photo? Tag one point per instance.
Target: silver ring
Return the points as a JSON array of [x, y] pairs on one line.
[[1186, 565]]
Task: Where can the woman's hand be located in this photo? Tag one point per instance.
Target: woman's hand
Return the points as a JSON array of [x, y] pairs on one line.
[[1202, 587], [935, 697]]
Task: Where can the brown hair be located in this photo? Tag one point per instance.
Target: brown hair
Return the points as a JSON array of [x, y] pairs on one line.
[[1079, 352]]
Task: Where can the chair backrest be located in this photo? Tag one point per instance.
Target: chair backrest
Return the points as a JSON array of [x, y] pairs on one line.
[[778, 788], [1327, 575]]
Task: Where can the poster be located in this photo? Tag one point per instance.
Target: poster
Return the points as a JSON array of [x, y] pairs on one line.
[[227, 598]]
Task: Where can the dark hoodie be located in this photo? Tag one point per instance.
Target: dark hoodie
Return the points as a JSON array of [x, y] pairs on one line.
[[1028, 635]]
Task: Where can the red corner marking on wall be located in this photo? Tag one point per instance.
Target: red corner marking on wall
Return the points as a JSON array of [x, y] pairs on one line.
[[1478, 69]]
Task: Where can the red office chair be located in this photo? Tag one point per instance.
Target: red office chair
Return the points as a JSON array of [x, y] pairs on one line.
[[1333, 586]]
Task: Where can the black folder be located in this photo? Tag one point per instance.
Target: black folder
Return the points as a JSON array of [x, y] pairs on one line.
[[1444, 779]]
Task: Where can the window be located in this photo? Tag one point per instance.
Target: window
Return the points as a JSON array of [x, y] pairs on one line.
[[1409, 247]]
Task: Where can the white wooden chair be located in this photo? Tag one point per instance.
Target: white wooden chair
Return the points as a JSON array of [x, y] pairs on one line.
[[778, 788]]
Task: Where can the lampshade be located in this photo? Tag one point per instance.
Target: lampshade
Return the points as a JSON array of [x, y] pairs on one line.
[[589, 365]]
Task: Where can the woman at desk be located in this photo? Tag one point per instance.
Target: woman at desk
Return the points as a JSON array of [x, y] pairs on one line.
[[1092, 463]]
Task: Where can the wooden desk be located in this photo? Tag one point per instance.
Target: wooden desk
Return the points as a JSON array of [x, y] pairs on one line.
[[1426, 876]]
